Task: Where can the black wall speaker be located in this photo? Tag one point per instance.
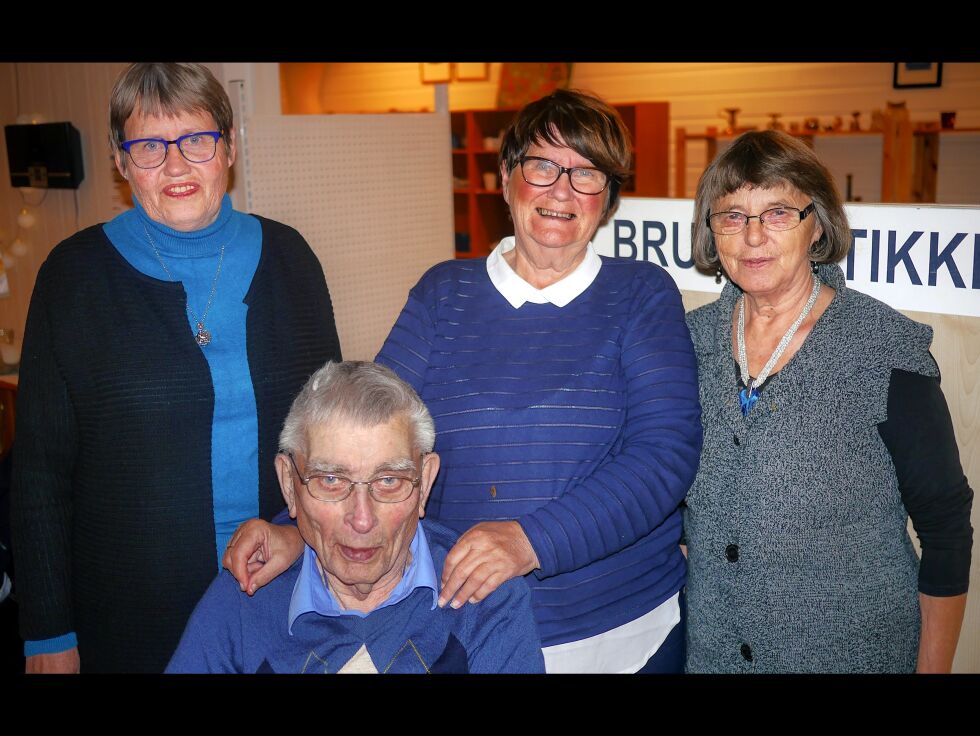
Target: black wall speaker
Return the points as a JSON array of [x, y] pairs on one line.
[[46, 156]]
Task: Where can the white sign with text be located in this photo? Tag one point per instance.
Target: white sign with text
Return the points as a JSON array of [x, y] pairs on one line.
[[917, 257]]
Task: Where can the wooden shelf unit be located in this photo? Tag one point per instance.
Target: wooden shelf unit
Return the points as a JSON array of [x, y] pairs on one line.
[[909, 165], [482, 217]]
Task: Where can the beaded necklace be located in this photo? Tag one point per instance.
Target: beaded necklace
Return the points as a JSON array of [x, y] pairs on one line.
[[749, 395]]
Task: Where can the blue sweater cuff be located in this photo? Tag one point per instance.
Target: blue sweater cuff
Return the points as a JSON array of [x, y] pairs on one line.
[[54, 645]]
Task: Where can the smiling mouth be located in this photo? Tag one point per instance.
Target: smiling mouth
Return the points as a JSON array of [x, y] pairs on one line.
[[180, 190], [553, 213]]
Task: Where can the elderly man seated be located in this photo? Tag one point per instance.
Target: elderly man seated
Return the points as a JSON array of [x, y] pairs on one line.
[[356, 466]]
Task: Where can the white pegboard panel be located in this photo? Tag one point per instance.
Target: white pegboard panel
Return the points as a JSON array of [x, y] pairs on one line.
[[372, 194]]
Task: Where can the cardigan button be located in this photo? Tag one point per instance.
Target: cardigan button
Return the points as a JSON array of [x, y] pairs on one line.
[[731, 553], [737, 441], [493, 491], [746, 652]]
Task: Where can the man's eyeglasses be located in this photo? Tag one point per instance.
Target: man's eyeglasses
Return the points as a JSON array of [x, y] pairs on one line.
[[332, 488], [540, 172], [777, 218], [148, 153]]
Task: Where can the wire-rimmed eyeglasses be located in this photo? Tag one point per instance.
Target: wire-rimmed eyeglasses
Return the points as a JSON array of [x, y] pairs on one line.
[[148, 153], [776, 218], [333, 488]]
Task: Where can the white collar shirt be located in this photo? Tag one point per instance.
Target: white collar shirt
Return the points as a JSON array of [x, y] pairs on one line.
[[517, 291]]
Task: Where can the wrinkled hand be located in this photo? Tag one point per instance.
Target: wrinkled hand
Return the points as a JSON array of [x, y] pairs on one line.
[[258, 552], [484, 558], [59, 663]]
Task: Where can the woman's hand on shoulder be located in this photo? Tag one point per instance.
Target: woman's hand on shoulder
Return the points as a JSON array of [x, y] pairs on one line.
[[484, 558], [259, 552]]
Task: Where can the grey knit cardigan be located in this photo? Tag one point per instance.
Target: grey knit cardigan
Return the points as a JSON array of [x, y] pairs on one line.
[[800, 559]]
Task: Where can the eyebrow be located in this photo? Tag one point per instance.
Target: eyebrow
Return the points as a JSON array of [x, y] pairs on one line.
[[391, 466], [770, 205], [399, 465], [550, 161]]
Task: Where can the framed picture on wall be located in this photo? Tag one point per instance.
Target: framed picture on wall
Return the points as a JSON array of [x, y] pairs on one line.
[[435, 73], [917, 74], [471, 71]]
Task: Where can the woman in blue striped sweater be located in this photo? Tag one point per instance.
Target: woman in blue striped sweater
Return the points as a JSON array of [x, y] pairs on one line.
[[564, 390]]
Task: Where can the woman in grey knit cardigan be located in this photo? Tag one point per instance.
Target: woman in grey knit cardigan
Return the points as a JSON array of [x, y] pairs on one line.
[[824, 429]]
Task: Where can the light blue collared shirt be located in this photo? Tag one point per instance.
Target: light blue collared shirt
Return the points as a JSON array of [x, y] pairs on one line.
[[310, 595]]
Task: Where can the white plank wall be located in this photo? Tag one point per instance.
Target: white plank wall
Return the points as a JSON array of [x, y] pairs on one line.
[[384, 87], [958, 180], [698, 93], [78, 93]]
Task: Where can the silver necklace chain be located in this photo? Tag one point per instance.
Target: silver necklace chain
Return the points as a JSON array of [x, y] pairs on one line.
[[203, 335], [743, 362]]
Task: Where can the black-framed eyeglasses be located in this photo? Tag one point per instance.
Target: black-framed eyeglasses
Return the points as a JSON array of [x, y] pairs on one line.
[[333, 488], [540, 172], [148, 153], [777, 218]]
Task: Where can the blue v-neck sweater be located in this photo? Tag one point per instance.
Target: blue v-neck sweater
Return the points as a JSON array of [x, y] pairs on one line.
[[232, 632]]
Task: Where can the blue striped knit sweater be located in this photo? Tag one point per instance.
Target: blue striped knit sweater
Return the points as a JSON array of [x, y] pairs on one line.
[[581, 422]]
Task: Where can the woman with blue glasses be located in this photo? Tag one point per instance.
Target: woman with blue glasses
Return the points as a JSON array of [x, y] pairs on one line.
[[162, 351]]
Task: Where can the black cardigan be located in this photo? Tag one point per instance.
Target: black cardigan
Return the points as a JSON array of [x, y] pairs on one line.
[[113, 525]]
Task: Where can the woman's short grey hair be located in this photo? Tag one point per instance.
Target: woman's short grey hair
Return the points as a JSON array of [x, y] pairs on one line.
[[167, 89], [361, 393], [581, 121], [767, 159]]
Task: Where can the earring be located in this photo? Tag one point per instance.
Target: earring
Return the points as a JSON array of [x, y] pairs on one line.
[[813, 266], [718, 275]]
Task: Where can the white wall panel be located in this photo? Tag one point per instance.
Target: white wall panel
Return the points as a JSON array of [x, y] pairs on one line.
[[860, 156], [370, 193], [958, 177]]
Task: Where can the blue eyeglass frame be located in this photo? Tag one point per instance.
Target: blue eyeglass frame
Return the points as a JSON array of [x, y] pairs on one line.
[[216, 134]]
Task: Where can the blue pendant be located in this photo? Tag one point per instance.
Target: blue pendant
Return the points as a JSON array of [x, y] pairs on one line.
[[747, 399]]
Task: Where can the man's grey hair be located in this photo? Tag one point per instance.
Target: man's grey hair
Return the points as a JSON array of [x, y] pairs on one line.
[[358, 392]]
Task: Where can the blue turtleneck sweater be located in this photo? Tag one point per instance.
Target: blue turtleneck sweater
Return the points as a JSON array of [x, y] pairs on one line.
[[192, 259]]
